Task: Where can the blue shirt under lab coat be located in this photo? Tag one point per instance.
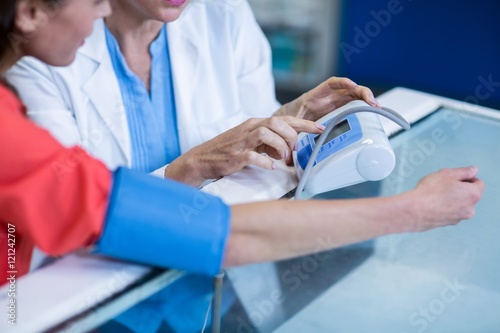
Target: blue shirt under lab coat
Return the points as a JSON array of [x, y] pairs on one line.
[[151, 115], [152, 124]]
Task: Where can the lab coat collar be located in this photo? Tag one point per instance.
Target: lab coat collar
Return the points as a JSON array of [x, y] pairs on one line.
[[106, 97], [184, 56], [184, 59], [95, 45]]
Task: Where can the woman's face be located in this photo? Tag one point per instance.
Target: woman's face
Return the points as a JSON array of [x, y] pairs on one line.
[[53, 33], [159, 10]]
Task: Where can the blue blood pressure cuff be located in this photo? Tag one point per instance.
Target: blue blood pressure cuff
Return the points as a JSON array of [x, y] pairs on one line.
[[163, 223]]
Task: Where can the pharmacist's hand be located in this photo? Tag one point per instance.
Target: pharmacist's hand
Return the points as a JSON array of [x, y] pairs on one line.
[[254, 142], [326, 97], [446, 197]]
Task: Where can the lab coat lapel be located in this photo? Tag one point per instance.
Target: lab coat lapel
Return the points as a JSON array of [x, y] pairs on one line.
[[184, 54], [103, 91]]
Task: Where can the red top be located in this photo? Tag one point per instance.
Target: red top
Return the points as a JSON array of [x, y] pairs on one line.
[[52, 197]]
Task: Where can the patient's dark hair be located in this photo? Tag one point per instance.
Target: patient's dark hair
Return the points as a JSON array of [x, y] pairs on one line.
[[7, 17], [7, 20]]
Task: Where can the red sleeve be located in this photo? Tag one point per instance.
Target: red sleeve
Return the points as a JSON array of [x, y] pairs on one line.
[[55, 197]]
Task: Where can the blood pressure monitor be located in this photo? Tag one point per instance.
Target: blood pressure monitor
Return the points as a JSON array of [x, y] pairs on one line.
[[354, 148]]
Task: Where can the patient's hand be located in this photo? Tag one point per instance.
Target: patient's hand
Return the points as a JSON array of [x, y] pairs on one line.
[[446, 197]]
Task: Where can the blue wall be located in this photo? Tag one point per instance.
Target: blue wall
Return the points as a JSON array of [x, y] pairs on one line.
[[450, 48]]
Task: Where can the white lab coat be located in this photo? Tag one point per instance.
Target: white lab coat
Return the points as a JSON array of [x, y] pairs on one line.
[[221, 67]]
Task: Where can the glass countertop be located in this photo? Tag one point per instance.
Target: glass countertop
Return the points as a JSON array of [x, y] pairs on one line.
[[443, 280]]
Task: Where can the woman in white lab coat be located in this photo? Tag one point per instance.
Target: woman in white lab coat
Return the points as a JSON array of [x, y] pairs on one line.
[[221, 75]]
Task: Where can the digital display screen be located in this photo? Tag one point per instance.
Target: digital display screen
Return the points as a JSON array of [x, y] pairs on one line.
[[337, 131]]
